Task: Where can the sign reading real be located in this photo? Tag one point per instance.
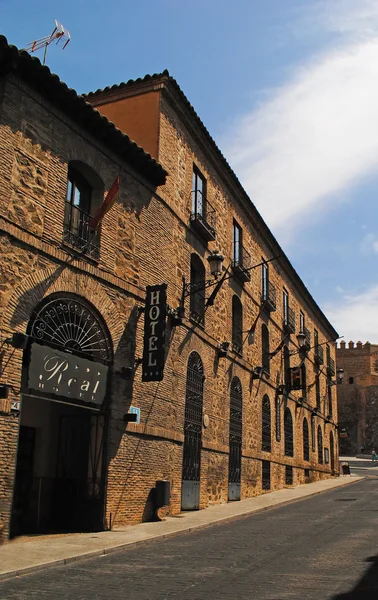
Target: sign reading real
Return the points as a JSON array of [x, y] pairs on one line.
[[154, 333], [56, 372]]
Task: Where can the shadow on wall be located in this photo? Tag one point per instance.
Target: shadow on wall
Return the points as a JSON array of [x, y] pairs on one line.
[[367, 587]]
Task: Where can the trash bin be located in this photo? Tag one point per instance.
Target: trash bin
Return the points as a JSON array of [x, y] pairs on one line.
[[163, 492]]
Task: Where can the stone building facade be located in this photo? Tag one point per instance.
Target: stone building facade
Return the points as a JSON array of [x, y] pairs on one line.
[[358, 397], [225, 422]]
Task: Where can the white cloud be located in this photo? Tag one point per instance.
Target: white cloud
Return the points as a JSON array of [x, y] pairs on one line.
[[356, 316], [316, 135], [369, 244]]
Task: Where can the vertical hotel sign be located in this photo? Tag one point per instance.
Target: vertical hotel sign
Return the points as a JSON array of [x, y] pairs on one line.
[[154, 333]]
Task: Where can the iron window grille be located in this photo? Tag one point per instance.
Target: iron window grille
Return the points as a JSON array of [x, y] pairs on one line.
[[313, 434], [237, 325], [197, 297], [319, 355], [266, 437], [236, 427], [306, 441], [288, 431], [265, 475], [320, 446], [265, 349], [289, 478], [193, 418], [289, 320], [278, 419], [269, 295]]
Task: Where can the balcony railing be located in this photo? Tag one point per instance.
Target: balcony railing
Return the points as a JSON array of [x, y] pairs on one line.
[[237, 339], [307, 343], [289, 320], [241, 262], [319, 355], [78, 234], [269, 296], [203, 216], [331, 370]]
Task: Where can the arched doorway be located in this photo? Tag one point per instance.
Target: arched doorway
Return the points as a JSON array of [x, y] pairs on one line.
[[191, 463], [234, 463], [60, 470]]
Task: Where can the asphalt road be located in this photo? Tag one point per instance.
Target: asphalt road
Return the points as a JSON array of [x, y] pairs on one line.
[[321, 548]]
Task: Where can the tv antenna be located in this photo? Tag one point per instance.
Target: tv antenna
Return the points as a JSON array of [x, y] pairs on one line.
[[59, 34]]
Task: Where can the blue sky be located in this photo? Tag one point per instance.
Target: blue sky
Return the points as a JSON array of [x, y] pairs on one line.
[[289, 91]]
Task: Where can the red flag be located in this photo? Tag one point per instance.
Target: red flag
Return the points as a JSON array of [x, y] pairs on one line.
[[110, 199]]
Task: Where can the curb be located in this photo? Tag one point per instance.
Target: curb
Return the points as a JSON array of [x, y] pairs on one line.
[[61, 562]]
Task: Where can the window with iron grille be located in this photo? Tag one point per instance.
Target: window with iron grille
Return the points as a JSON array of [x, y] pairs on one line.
[[288, 431], [266, 437], [237, 325], [313, 434], [236, 428], [317, 389], [287, 374], [198, 193], [330, 407], [84, 191], [265, 475], [265, 348], [197, 297], [320, 446], [289, 475], [306, 440], [278, 419]]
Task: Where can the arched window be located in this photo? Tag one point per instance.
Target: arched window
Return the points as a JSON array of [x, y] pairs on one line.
[[85, 192], [197, 298], [69, 322], [265, 348], [266, 437], [286, 355], [237, 325], [278, 418], [313, 433], [330, 407], [288, 431], [306, 440], [317, 389], [320, 445]]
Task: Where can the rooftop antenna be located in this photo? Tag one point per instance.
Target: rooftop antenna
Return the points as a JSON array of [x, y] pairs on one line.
[[59, 34]]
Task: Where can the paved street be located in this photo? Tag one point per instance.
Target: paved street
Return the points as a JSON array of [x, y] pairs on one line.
[[323, 548]]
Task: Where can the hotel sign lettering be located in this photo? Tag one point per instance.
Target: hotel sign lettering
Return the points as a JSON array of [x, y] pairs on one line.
[[154, 332], [63, 374]]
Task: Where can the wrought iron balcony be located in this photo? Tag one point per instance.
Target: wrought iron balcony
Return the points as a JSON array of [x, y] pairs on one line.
[[268, 297], [319, 355], [331, 370], [237, 339], [241, 262], [78, 234], [307, 343], [203, 216], [289, 320]]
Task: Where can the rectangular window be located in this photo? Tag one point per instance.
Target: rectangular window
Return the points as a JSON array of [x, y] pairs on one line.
[[285, 306], [198, 193], [237, 244], [264, 281], [288, 475], [301, 322], [316, 338]]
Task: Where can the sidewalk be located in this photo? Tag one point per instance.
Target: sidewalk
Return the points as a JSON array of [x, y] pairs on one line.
[[27, 554]]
